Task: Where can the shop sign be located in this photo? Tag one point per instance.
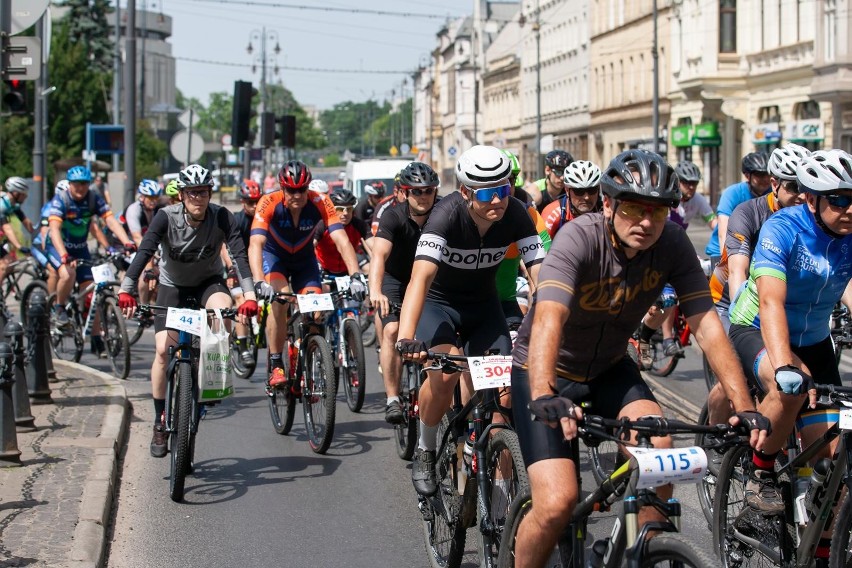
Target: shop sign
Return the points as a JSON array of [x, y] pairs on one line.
[[682, 136], [706, 134], [805, 131], [766, 133]]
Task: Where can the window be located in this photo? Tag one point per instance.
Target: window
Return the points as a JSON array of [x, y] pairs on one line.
[[807, 110], [727, 26]]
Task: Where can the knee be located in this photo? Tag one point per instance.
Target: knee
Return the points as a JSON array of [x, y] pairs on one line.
[[553, 508], [663, 443], [390, 332]]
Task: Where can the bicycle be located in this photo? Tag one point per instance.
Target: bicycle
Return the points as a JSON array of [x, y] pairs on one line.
[[39, 282], [343, 334], [68, 341], [309, 367], [15, 270], [630, 481], [184, 411], [743, 537], [663, 365], [841, 330], [468, 494]]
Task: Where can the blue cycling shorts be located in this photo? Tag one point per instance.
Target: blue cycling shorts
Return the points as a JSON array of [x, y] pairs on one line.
[[303, 275], [84, 273]]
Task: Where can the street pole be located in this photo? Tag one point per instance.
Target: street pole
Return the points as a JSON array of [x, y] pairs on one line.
[[116, 78], [655, 102], [130, 102], [5, 28], [263, 95], [38, 116], [537, 29], [142, 57]]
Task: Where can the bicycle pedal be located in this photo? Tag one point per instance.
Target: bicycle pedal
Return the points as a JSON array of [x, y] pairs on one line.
[[425, 510]]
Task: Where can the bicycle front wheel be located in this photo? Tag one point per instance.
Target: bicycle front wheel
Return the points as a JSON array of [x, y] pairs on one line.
[[406, 431], [354, 374], [179, 437], [115, 338], [706, 487], [319, 393], [67, 342], [841, 555], [672, 550]]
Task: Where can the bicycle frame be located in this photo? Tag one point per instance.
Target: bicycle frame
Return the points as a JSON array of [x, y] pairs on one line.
[[99, 291], [181, 352]]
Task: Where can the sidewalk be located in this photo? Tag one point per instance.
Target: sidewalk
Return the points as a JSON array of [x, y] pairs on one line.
[[55, 508]]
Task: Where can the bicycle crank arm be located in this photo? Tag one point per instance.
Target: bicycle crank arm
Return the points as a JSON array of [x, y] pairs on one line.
[[773, 555]]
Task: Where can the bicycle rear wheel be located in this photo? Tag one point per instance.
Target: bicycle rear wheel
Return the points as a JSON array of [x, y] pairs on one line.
[[406, 431], [282, 408], [663, 365], [319, 393], [179, 437], [706, 487], [709, 376], [354, 375], [673, 550], [115, 338], [605, 458], [443, 529]]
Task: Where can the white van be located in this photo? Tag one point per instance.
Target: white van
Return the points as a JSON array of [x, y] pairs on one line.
[[360, 173]]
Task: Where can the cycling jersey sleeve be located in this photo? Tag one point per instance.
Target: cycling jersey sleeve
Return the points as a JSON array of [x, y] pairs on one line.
[[527, 238], [327, 211], [538, 222], [236, 249], [156, 231], [731, 197], [705, 212], [264, 213], [131, 215], [567, 260], [56, 209], [102, 209], [552, 216], [741, 231]]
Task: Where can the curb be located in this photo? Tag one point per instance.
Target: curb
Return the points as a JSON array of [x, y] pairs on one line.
[[96, 504]]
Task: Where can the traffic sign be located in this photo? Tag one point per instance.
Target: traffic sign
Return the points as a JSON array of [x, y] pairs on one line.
[[187, 117], [393, 151], [452, 150], [186, 149], [25, 13], [405, 149], [22, 58]]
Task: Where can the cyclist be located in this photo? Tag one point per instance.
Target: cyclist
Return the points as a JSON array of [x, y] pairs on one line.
[[172, 192], [390, 270], [392, 200], [318, 185], [135, 220], [40, 240], [516, 179], [552, 185], [250, 194], [281, 251], [356, 230], [799, 271], [583, 185], [451, 299], [191, 234], [692, 204], [10, 204], [69, 220], [598, 279], [373, 193], [754, 168]]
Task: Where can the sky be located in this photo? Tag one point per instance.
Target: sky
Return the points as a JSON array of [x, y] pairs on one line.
[[220, 30]]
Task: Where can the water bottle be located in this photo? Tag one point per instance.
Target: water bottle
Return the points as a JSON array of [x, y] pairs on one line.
[[800, 489], [816, 491]]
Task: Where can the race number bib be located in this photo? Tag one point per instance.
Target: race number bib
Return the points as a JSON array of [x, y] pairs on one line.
[[676, 465], [494, 371], [315, 303], [189, 321], [103, 273], [845, 421], [342, 282]]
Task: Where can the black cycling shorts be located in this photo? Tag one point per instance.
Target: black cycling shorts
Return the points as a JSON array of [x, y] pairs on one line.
[[818, 358], [606, 394], [178, 297], [477, 327], [395, 291]]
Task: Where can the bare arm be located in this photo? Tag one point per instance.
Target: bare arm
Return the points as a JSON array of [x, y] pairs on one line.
[[550, 317], [55, 229], [737, 273], [422, 275], [256, 243], [381, 250], [723, 230], [10, 235]]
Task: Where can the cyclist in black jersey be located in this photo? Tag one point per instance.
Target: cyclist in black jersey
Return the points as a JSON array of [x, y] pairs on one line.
[[135, 220], [451, 300]]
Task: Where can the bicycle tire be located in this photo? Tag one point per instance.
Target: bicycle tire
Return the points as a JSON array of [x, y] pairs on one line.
[[502, 446], [840, 555], [663, 365], [674, 550], [706, 487], [25, 298], [368, 329], [605, 458], [319, 393], [135, 329], [445, 536], [406, 432], [67, 345], [179, 437], [353, 350], [709, 376], [241, 370], [282, 409], [115, 338]]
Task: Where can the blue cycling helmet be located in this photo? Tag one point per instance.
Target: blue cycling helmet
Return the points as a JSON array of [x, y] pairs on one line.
[[79, 173], [150, 188]]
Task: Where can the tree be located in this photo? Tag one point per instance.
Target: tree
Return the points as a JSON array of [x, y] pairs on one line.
[[87, 21], [281, 101], [150, 152]]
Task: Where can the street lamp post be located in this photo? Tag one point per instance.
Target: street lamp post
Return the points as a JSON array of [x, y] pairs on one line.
[[263, 36], [655, 102], [536, 27]]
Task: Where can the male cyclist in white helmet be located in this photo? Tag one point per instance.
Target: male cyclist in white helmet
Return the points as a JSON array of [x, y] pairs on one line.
[[583, 188]]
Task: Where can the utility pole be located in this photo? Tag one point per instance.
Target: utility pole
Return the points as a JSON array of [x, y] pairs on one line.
[[142, 59], [130, 103], [38, 115], [537, 29], [655, 102], [116, 78], [263, 35]]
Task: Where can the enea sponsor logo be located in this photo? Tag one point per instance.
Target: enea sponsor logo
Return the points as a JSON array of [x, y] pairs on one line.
[[767, 244]]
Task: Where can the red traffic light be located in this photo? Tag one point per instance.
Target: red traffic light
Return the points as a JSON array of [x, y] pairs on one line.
[[15, 97]]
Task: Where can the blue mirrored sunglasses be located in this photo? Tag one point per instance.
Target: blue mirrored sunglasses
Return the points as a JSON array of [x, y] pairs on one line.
[[841, 201], [486, 194]]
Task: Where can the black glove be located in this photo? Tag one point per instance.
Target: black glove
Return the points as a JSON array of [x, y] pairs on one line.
[[24, 250], [264, 291], [410, 346], [550, 408], [793, 380], [754, 420], [358, 287]]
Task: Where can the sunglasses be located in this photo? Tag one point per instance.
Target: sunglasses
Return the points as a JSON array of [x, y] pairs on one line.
[[344, 209], [558, 171], [417, 192], [635, 210], [581, 191], [295, 191], [197, 193], [839, 201], [486, 194], [791, 186]]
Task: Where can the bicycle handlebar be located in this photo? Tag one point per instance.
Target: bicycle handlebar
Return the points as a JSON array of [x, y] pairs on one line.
[[147, 309]]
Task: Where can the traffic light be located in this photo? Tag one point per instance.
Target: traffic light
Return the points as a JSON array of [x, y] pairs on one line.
[[243, 112], [287, 131], [267, 129], [15, 97]]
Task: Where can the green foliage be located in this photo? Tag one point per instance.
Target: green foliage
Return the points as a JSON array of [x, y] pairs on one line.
[[281, 102], [150, 152], [367, 128], [16, 140], [87, 21], [215, 119], [332, 161]]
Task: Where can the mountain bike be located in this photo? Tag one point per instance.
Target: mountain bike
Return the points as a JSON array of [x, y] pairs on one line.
[[632, 481], [309, 367], [477, 489], [68, 341], [744, 537], [664, 365], [343, 334], [841, 330], [184, 412], [15, 271]]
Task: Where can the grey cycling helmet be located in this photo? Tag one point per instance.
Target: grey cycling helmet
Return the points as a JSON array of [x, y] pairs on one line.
[[687, 172], [638, 174], [17, 184], [483, 166], [825, 172], [755, 163], [194, 176], [783, 161], [418, 175]]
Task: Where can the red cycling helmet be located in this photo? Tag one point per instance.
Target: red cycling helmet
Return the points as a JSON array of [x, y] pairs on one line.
[[249, 190], [294, 175]]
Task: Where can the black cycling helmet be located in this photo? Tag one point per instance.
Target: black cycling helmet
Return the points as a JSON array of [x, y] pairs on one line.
[[294, 175], [756, 163], [657, 180], [687, 171], [343, 198], [418, 175], [558, 159]]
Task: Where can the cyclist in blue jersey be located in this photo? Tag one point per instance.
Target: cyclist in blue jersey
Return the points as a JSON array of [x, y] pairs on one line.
[[800, 268], [69, 218], [755, 170]]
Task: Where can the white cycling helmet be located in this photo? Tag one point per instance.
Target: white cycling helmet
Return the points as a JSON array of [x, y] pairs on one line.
[[61, 185], [195, 175], [783, 161], [483, 166], [825, 172], [149, 188], [17, 184], [582, 174], [318, 185]]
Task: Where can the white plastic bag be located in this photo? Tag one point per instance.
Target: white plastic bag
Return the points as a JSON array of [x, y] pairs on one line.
[[215, 368]]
